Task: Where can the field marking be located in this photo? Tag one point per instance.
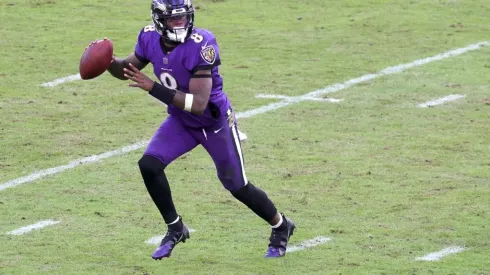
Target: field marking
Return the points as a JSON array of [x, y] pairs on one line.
[[341, 86], [27, 229], [440, 101], [308, 244], [333, 100], [266, 108], [73, 164], [62, 80], [156, 240], [436, 256]]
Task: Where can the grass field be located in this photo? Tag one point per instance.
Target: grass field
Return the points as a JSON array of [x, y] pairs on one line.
[[386, 180]]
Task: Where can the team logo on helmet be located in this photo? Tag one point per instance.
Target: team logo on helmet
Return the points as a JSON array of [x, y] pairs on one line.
[[161, 7], [208, 54]]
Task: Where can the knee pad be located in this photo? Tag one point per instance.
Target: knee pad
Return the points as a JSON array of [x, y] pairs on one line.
[[243, 192], [150, 165]]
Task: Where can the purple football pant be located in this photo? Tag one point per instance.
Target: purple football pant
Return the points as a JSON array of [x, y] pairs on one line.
[[221, 141]]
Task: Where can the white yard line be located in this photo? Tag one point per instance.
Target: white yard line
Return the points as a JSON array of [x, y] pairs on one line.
[[62, 80], [436, 256], [156, 240], [333, 100], [73, 164], [341, 86], [267, 108], [27, 229], [308, 244], [440, 101]]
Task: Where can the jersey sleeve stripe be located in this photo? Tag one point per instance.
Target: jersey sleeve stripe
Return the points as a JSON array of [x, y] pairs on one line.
[[206, 67]]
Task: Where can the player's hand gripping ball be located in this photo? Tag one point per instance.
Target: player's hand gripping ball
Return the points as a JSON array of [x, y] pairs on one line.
[[96, 59]]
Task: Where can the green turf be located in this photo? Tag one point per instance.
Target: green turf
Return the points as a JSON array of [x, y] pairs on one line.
[[387, 181]]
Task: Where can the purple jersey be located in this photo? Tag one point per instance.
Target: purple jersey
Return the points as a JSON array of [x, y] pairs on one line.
[[174, 70]]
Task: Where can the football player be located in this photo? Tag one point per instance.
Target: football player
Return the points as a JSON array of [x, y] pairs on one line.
[[186, 59]]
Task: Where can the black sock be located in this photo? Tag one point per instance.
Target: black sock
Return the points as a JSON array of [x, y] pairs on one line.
[[157, 185]]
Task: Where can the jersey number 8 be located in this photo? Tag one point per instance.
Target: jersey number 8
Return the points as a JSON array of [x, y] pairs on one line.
[[169, 81], [196, 37]]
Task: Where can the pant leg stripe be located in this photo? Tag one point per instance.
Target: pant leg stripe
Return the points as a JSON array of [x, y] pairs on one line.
[[238, 148]]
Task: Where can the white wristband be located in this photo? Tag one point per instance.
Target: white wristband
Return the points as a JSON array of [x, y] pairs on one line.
[[189, 99]]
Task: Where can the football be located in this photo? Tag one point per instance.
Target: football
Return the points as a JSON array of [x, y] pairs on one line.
[[96, 59]]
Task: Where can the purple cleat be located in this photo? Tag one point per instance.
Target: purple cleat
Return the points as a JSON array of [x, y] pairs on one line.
[[279, 239], [168, 243]]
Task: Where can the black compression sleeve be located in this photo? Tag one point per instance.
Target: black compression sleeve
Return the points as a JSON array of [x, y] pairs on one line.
[[163, 93]]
